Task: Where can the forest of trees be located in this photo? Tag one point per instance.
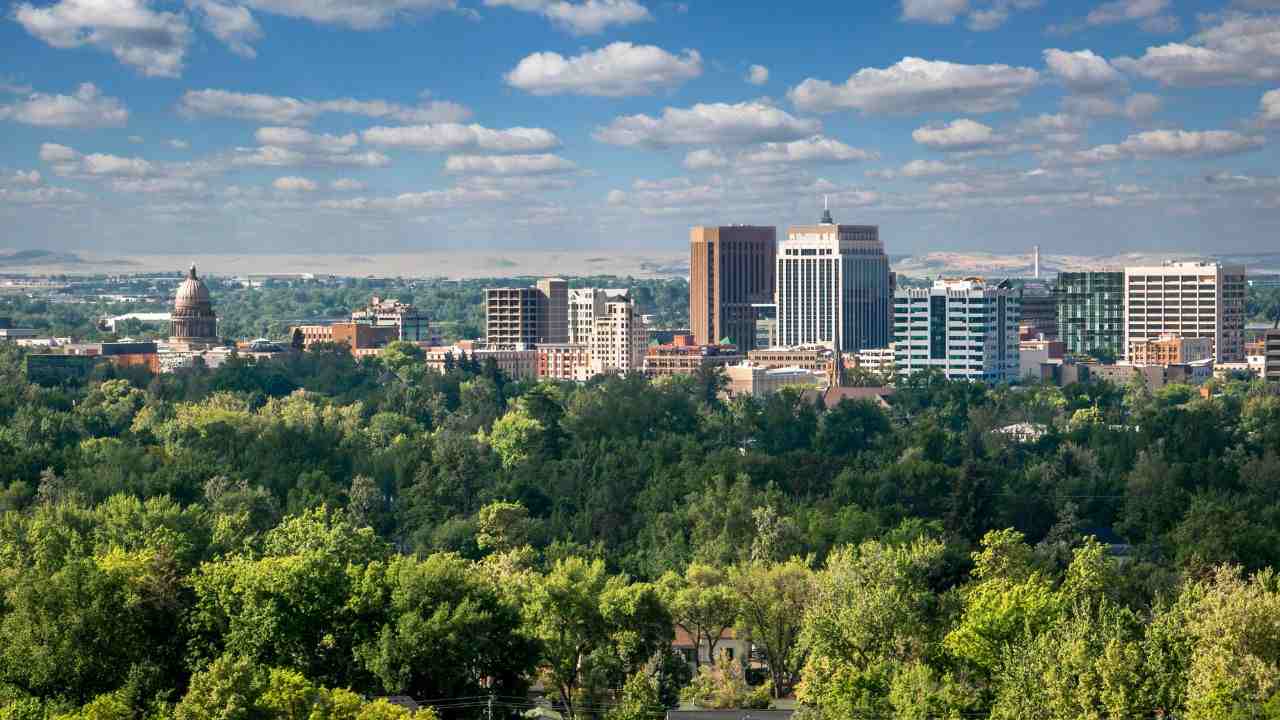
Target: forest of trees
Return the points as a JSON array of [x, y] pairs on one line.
[[301, 537]]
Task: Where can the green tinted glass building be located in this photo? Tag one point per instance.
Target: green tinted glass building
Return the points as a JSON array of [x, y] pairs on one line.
[[1091, 312]]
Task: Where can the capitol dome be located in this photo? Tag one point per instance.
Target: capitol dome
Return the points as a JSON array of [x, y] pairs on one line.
[[192, 293], [193, 322]]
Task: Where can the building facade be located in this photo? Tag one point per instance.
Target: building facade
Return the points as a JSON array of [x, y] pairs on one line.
[[684, 356], [731, 270], [554, 296], [564, 361], [1039, 311], [411, 325], [524, 317], [1188, 299], [1169, 350], [833, 287], [584, 305], [619, 338], [1091, 312], [1271, 356], [749, 379], [193, 323], [965, 328]]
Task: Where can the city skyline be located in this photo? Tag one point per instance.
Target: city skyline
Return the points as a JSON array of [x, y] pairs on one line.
[[253, 126]]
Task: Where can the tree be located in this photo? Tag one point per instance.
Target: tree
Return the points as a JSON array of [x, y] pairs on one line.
[[702, 604], [772, 600], [723, 685], [639, 700]]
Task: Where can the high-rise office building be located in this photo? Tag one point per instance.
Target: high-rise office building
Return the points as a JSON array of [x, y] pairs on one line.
[[1040, 310], [833, 287], [1190, 300], [730, 271], [1091, 312], [585, 304], [965, 328], [1271, 356], [555, 315], [619, 339], [527, 316]]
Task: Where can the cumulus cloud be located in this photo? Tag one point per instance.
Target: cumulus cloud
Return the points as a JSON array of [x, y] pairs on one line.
[[178, 144], [705, 159], [915, 85], [757, 75], [347, 185], [21, 177], [1165, 144], [453, 137], [299, 138], [816, 149], [232, 24], [293, 111], [1271, 107], [356, 14], [293, 183], [1137, 107], [151, 41], [982, 14], [581, 18], [428, 200], [539, 164], [277, 156], [87, 107], [1239, 49], [159, 185], [961, 134], [1149, 14], [1083, 71], [919, 168], [940, 12], [42, 197], [708, 124], [616, 70], [68, 161], [55, 153]]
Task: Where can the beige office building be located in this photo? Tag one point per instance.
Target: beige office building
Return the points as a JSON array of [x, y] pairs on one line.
[[619, 339], [1188, 299]]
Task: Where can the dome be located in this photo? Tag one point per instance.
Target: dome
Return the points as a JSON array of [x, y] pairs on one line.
[[192, 293]]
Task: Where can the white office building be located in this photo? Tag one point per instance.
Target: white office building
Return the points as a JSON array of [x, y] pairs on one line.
[[833, 287], [965, 328], [619, 338], [585, 304], [1189, 300]]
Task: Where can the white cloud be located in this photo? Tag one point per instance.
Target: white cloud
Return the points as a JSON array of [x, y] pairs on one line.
[[1187, 143], [87, 107], [427, 200], [346, 185], [917, 169], [293, 183], [293, 111], [508, 164], [55, 153], [962, 134], [757, 75], [276, 156], [298, 138], [1141, 106], [816, 149], [232, 24], [705, 159], [453, 137], [1149, 13], [1270, 106], [708, 124], [356, 14], [42, 197], [150, 41], [616, 70], [581, 18], [1137, 107], [914, 85], [178, 144], [1164, 144], [1239, 49], [102, 164], [940, 12], [1083, 71], [159, 186], [21, 177]]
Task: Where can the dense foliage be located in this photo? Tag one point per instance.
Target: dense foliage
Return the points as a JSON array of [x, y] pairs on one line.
[[290, 538]]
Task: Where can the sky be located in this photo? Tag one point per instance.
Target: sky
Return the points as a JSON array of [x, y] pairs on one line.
[[370, 126]]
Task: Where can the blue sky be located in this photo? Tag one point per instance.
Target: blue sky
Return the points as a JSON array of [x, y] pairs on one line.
[[323, 126]]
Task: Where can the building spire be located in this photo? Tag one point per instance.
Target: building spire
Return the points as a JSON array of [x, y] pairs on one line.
[[192, 273], [826, 212]]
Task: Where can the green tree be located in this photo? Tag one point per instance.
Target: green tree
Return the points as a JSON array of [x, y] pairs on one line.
[[772, 601]]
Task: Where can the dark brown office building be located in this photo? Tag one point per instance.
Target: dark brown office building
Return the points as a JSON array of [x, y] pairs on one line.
[[730, 269]]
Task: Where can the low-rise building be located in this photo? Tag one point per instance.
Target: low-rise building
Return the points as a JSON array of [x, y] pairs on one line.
[[516, 363], [696, 651], [683, 356], [13, 333], [760, 381], [411, 324], [1169, 350], [363, 339], [1034, 353], [814, 358], [132, 354], [564, 361], [877, 360]]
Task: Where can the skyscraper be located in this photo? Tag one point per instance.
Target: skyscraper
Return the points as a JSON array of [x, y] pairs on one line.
[[833, 287], [965, 328], [555, 315], [1188, 299], [730, 269], [619, 338], [1091, 312], [527, 315]]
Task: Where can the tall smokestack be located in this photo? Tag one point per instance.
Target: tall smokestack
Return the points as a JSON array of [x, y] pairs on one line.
[[1037, 262]]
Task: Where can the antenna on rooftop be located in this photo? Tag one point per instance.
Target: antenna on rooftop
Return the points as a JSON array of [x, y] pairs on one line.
[[826, 212]]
